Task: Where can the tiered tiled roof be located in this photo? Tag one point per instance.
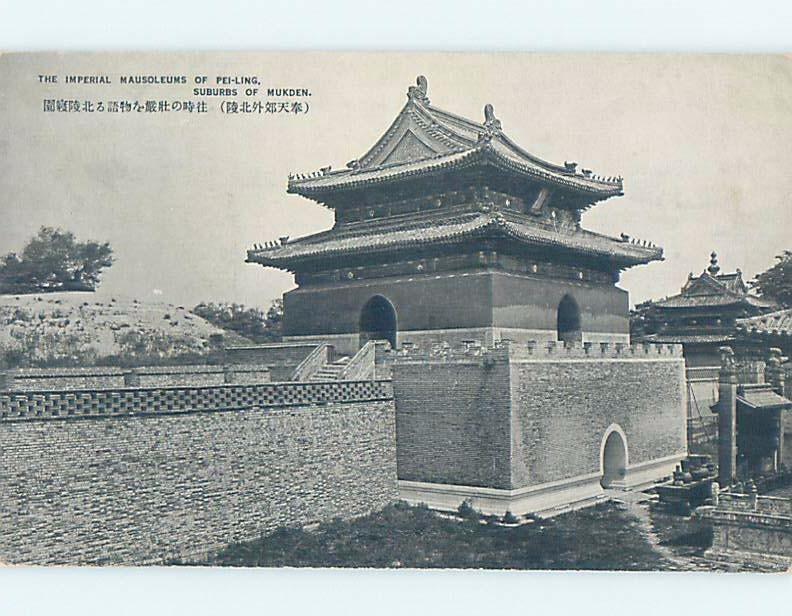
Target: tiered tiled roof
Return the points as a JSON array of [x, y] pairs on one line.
[[713, 289], [688, 338], [424, 140], [777, 323], [386, 234]]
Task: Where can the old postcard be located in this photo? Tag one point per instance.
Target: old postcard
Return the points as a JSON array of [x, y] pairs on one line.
[[503, 311]]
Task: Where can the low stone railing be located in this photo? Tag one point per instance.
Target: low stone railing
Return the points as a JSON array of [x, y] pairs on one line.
[[754, 503], [362, 365], [99, 377], [316, 359]]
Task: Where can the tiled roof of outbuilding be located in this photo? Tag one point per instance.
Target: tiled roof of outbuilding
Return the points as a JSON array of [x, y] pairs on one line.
[[762, 397], [697, 301], [778, 323], [687, 338]]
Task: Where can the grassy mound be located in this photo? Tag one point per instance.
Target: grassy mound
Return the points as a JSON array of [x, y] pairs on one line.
[[69, 329]]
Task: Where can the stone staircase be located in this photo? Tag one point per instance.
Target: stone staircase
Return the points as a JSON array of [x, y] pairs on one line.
[[330, 371]]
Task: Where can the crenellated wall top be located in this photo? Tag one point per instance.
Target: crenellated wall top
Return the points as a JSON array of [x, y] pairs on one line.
[[507, 350]]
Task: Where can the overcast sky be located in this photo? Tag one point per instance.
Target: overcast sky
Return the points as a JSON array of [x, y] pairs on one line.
[[702, 142]]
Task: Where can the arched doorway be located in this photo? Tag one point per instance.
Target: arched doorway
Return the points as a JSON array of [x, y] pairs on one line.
[[613, 458], [568, 320], [378, 321]]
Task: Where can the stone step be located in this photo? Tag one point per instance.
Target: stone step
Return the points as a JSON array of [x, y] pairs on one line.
[[329, 372]]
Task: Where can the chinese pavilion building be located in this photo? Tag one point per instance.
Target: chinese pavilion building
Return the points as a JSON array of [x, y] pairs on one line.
[[446, 230], [703, 317], [514, 383]]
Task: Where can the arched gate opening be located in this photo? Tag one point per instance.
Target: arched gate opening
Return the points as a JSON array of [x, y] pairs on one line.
[[568, 320], [378, 321], [614, 459]]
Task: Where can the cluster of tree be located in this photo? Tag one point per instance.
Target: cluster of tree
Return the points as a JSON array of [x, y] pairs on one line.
[[776, 283], [252, 323], [54, 260]]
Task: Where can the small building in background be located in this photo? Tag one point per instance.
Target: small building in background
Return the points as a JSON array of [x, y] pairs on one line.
[[703, 317], [754, 336], [751, 417]]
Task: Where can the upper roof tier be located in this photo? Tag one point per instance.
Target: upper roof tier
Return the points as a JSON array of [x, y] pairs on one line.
[[424, 140]]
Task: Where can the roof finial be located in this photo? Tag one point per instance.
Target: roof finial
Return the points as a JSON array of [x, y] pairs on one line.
[[713, 268], [418, 91], [490, 121]]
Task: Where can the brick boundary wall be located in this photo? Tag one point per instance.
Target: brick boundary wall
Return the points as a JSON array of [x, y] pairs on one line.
[[139, 476], [281, 357], [562, 411]]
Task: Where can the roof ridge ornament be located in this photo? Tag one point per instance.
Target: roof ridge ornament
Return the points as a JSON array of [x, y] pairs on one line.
[[713, 268], [491, 123], [418, 91]]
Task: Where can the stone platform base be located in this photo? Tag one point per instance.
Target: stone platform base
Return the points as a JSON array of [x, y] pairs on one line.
[[544, 500], [645, 474]]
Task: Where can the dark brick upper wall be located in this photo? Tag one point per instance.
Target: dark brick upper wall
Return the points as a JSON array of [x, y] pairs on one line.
[[443, 301], [532, 303], [135, 489], [421, 302]]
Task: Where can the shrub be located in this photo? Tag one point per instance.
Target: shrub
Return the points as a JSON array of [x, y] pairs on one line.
[[467, 511], [510, 518], [251, 323]]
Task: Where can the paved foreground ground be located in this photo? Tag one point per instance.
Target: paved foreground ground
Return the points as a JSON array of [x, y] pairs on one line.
[[625, 534]]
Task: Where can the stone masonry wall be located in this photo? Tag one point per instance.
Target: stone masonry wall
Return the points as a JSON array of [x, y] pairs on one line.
[[562, 410], [133, 488], [518, 415], [452, 422]]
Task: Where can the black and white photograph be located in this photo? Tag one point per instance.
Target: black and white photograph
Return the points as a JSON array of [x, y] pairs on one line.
[[500, 311]]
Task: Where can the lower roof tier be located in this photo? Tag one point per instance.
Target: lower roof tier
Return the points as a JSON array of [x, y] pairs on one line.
[[417, 232]]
